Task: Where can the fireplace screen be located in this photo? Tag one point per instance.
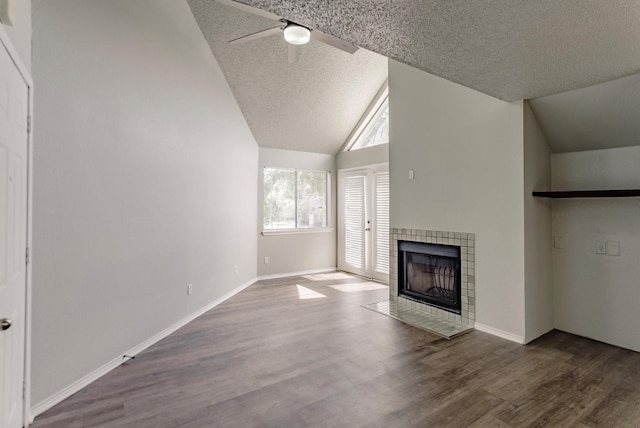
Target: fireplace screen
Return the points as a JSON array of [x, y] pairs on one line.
[[430, 273]]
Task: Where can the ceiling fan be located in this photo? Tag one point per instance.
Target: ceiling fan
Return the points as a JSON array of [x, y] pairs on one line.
[[296, 35]]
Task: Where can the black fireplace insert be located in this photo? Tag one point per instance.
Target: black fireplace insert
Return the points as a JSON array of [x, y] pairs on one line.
[[430, 273]]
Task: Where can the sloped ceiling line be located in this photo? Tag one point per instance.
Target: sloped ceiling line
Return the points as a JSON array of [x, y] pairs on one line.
[[312, 105], [558, 54], [509, 49]]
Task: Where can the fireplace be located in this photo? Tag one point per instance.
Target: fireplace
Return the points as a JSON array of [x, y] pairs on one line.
[[430, 273], [432, 280], [464, 243]]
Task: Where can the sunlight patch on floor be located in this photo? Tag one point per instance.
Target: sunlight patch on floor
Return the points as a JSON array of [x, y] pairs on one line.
[[361, 286], [327, 276], [306, 293]]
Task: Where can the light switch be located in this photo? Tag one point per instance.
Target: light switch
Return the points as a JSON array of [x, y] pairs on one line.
[[601, 247], [410, 174], [558, 242], [613, 248]]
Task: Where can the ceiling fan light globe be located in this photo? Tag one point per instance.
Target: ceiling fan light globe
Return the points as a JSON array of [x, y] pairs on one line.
[[297, 35]]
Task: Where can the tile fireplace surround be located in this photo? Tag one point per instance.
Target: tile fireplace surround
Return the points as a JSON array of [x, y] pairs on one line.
[[466, 242]]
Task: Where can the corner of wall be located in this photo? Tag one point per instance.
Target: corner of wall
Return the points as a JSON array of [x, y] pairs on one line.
[[442, 129], [537, 230], [596, 295], [144, 182], [298, 252]]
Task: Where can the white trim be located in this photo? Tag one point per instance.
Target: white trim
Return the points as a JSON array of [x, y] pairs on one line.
[[116, 362], [28, 418], [289, 168], [302, 272], [380, 97], [376, 167], [13, 53], [273, 232], [5, 41], [500, 333]]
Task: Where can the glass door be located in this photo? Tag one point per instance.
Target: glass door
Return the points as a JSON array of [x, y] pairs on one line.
[[363, 232]]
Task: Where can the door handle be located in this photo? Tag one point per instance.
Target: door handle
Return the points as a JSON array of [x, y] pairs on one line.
[[5, 323]]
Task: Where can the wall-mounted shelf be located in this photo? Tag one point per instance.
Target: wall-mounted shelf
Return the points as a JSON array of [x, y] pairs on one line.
[[624, 193]]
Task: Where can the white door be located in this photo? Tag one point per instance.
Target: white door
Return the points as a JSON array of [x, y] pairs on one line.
[[353, 223], [13, 232], [363, 231], [380, 227]]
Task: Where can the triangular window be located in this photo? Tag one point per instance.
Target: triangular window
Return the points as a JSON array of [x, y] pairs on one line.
[[373, 129]]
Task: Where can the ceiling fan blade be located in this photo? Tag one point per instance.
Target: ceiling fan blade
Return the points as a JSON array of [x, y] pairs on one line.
[[333, 41], [249, 9], [294, 53], [257, 35]]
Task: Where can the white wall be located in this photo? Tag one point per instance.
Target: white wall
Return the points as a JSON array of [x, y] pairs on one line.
[[597, 295], [466, 150], [303, 251], [144, 181], [20, 33], [537, 230], [368, 156]]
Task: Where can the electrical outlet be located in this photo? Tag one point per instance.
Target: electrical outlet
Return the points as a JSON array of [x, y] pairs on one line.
[[600, 247], [266, 260], [235, 268], [189, 289]]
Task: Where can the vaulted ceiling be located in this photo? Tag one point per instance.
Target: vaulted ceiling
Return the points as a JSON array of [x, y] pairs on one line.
[[509, 49], [311, 105]]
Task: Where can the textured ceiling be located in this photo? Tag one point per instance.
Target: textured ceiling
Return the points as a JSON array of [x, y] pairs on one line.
[[312, 105], [510, 49], [598, 117]]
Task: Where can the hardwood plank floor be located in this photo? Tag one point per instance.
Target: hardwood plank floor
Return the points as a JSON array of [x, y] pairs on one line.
[[267, 358]]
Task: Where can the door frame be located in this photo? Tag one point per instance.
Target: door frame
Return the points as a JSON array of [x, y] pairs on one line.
[[375, 168], [5, 41]]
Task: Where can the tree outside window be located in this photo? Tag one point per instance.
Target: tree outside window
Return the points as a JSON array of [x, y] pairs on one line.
[[295, 199]]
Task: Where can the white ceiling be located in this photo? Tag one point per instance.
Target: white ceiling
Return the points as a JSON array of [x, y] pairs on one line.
[[312, 105], [598, 117], [510, 49]]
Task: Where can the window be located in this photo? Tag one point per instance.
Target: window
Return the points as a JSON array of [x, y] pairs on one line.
[[295, 199], [377, 130], [373, 128]]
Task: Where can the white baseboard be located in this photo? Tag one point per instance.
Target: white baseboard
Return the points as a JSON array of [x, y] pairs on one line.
[[76, 386], [302, 272], [500, 333]]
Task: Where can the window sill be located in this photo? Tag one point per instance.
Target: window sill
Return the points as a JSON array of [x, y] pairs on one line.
[[296, 231]]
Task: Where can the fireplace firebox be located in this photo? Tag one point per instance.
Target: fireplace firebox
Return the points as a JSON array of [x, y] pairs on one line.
[[430, 273]]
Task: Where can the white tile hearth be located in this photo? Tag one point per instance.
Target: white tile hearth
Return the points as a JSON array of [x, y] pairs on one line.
[[432, 323], [422, 315]]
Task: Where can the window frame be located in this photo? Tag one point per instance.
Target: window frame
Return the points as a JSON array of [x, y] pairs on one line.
[[299, 230], [378, 101]]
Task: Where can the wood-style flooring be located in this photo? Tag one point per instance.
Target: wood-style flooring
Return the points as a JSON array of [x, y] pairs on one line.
[[267, 358]]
